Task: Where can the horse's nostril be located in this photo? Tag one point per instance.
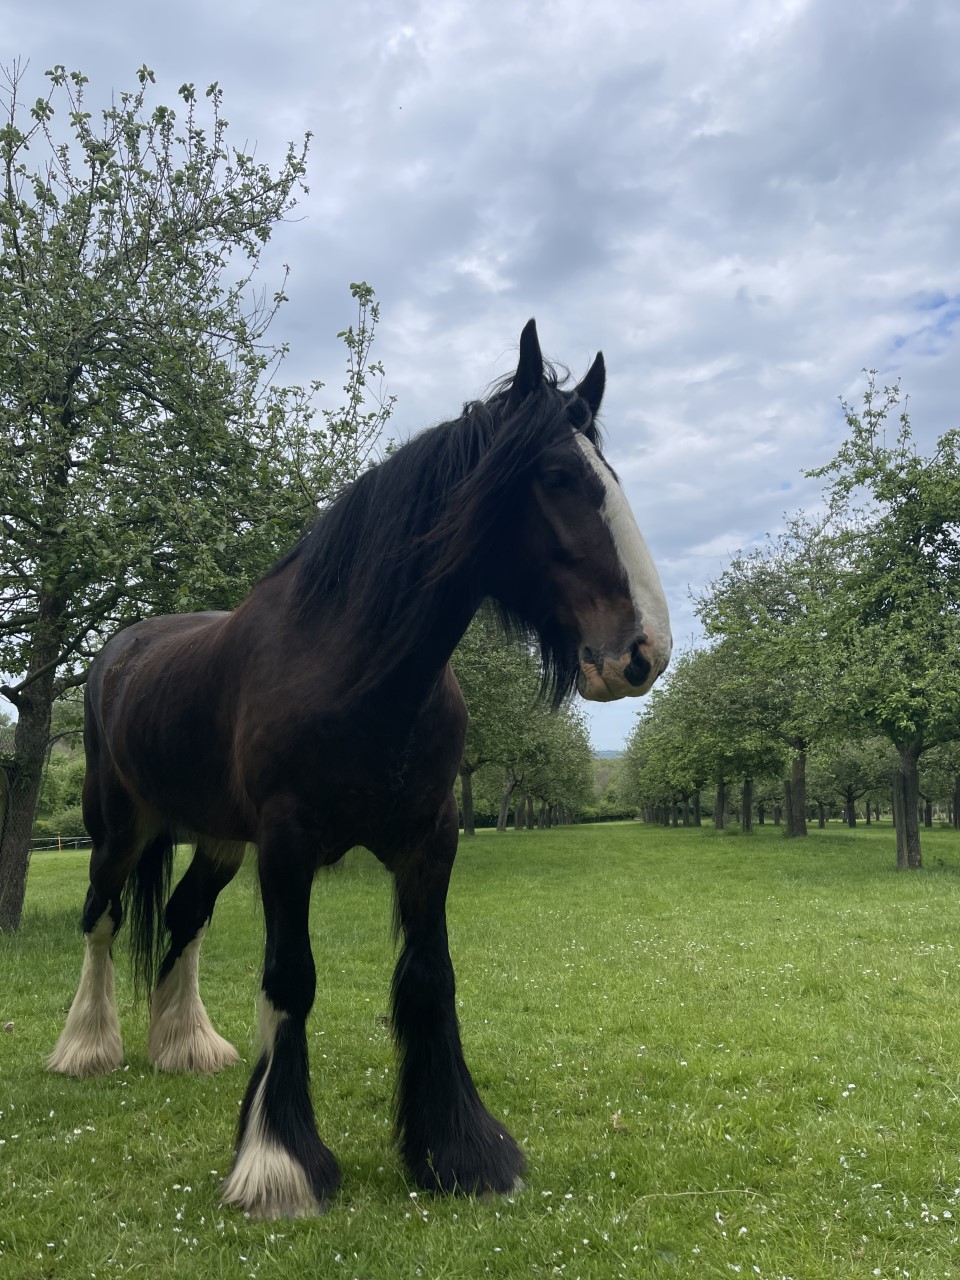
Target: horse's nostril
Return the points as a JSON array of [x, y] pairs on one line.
[[638, 669]]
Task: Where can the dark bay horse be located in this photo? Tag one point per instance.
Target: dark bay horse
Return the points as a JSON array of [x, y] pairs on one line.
[[322, 714]]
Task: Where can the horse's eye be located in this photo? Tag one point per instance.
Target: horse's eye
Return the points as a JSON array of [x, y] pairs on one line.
[[556, 479]]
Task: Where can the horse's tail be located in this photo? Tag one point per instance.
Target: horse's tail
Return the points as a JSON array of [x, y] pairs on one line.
[[144, 900]]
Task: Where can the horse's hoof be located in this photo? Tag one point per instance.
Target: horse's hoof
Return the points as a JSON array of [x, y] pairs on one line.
[[82, 1058], [267, 1182], [491, 1164], [202, 1054]]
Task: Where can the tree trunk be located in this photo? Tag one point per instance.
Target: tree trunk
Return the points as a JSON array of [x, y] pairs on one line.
[[906, 792], [746, 815], [4, 792], [720, 806], [519, 814], [851, 807], [928, 813], [29, 753], [777, 815], [466, 787], [542, 820], [788, 805], [697, 816], [821, 816], [509, 786], [867, 811], [798, 793], [686, 811], [761, 813], [956, 802]]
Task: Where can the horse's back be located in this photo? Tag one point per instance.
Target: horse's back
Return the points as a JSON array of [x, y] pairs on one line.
[[141, 649], [153, 704]]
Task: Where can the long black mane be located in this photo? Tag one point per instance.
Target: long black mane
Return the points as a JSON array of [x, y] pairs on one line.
[[417, 529]]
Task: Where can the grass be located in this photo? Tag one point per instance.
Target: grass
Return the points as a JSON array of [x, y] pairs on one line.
[[724, 1056]]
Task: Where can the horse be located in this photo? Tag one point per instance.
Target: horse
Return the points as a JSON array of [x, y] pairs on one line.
[[322, 714]]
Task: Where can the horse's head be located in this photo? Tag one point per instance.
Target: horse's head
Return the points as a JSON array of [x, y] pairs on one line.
[[591, 590]]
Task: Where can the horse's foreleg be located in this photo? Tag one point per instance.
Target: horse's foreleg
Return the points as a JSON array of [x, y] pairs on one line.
[[281, 1168], [449, 1140], [182, 1037]]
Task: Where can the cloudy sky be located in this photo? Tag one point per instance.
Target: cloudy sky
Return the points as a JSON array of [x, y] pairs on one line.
[[741, 202]]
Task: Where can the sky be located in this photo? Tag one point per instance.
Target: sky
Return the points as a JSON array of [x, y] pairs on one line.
[[743, 203]]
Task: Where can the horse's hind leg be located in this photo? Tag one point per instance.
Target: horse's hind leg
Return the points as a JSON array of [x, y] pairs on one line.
[[90, 1042], [182, 1038], [449, 1140]]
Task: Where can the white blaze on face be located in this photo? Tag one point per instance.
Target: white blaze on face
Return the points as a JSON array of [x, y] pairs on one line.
[[637, 563]]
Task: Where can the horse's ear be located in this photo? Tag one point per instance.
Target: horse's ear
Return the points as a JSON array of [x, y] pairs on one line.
[[529, 373], [594, 381]]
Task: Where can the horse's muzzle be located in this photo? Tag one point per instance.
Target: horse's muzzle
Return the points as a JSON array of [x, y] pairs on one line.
[[602, 678]]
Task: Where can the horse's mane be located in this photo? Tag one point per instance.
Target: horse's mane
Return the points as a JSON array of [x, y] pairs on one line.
[[394, 543]]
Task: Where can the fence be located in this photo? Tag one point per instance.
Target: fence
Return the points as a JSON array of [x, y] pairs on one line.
[[43, 844]]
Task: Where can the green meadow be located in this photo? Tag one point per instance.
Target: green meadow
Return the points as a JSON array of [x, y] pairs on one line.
[[723, 1055]]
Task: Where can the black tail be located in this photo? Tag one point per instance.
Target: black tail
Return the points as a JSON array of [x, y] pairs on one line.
[[144, 900]]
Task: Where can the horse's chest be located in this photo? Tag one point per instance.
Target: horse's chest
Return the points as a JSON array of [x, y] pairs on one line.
[[392, 795]]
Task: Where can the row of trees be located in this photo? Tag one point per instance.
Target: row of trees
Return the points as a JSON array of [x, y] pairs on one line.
[[684, 755], [150, 460], [834, 661]]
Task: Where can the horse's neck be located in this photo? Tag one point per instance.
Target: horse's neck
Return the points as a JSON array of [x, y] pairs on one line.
[[423, 669], [400, 669]]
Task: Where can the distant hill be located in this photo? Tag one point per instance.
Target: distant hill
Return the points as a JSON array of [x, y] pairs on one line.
[[607, 755]]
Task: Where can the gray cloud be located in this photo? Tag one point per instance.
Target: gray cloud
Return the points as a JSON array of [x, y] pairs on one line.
[[743, 204]]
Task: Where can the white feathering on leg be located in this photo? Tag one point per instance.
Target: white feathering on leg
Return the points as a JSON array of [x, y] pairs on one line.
[[182, 1037], [90, 1042], [265, 1180]]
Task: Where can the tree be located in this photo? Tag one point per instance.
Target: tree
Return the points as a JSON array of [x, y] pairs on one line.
[[500, 681], [770, 607], [700, 727], [148, 462], [895, 618], [940, 781], [541, 752], [663, 765], [557, 767], [846, 768]]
